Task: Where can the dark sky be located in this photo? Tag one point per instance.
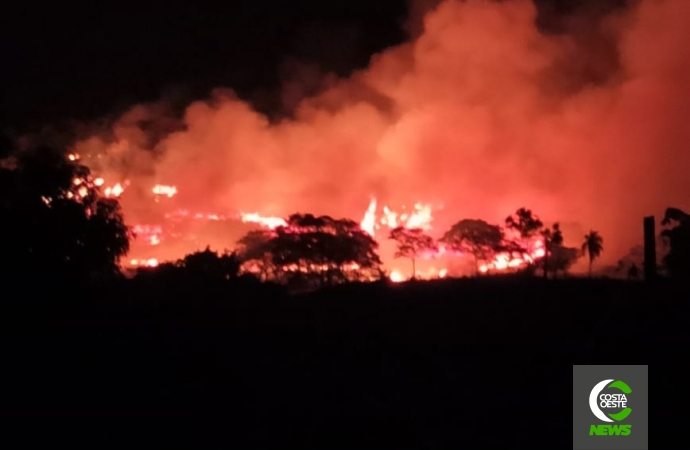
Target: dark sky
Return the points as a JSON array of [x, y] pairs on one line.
[[83, 60]]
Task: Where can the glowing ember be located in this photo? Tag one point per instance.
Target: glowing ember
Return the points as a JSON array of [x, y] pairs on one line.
[[268, 222], [149, 233], [167, 191], [99, 182], [114, 191], [73, 157], [397, 277], [153, 262]]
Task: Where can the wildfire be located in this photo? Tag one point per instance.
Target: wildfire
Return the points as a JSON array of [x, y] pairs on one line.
[[505, 261], [375, 218]]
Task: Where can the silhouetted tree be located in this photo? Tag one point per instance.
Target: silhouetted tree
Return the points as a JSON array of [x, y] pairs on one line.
[[677, 261], [562, 258], [210, 264], [553, 242], [592, 246], [633, 272], [316, 251], [476, 237], [53, 218], [525, 223], [411, 243], [255, 251]]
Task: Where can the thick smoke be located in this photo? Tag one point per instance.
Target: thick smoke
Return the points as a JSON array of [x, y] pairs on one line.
[[483, 112]]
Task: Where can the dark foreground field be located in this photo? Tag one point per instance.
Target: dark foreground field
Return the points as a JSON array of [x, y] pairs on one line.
[[195, 363]]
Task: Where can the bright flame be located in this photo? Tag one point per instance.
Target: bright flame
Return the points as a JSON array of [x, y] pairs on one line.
[[368, 223], [397, 277], [114, 191], [153, 262], [168, 191], [268, 222], [99, 182], [420, 217], [73, 157]]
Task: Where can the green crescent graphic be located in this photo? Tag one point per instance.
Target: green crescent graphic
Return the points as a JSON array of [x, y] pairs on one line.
[[626, 390]]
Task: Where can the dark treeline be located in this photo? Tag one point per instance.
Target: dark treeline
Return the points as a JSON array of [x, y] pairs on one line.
[[205, 351]]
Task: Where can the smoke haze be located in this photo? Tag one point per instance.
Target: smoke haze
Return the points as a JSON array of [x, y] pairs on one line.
[[482, 111]]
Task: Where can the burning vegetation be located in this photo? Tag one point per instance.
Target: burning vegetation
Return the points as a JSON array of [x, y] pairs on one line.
[[481, 112], [325, 250]]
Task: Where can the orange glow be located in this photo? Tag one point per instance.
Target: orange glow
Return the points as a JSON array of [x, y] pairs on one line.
[[482, 111], [397, 277]]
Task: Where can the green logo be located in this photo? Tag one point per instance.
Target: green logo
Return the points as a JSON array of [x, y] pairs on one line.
[[597, 400]]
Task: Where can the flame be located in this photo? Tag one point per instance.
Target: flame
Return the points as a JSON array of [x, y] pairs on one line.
[[73, 157], [114, 191], [268, 222], [150, 233], [368, 223], [397, 277], [505, 261], [420, 217], [153, 262], [167, 191]]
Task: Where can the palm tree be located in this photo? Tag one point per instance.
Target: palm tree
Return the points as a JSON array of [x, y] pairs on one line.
[[593, 246]]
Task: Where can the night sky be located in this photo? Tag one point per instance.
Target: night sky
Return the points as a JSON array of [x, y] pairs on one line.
[[81, 61]]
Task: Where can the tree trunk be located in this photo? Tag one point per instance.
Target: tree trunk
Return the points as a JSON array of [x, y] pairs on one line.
[[414, 270], [546, 265], [590, 267], [476, 266]]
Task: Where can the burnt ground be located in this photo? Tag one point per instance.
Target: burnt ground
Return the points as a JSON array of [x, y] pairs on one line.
[[479, 362]]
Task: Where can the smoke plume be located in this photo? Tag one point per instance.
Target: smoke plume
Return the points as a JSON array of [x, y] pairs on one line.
[[482, 111]]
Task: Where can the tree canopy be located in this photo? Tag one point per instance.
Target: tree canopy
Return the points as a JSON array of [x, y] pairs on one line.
[[412, 243], [53, 218], [477, 237], [313, 250], [525, 223]]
